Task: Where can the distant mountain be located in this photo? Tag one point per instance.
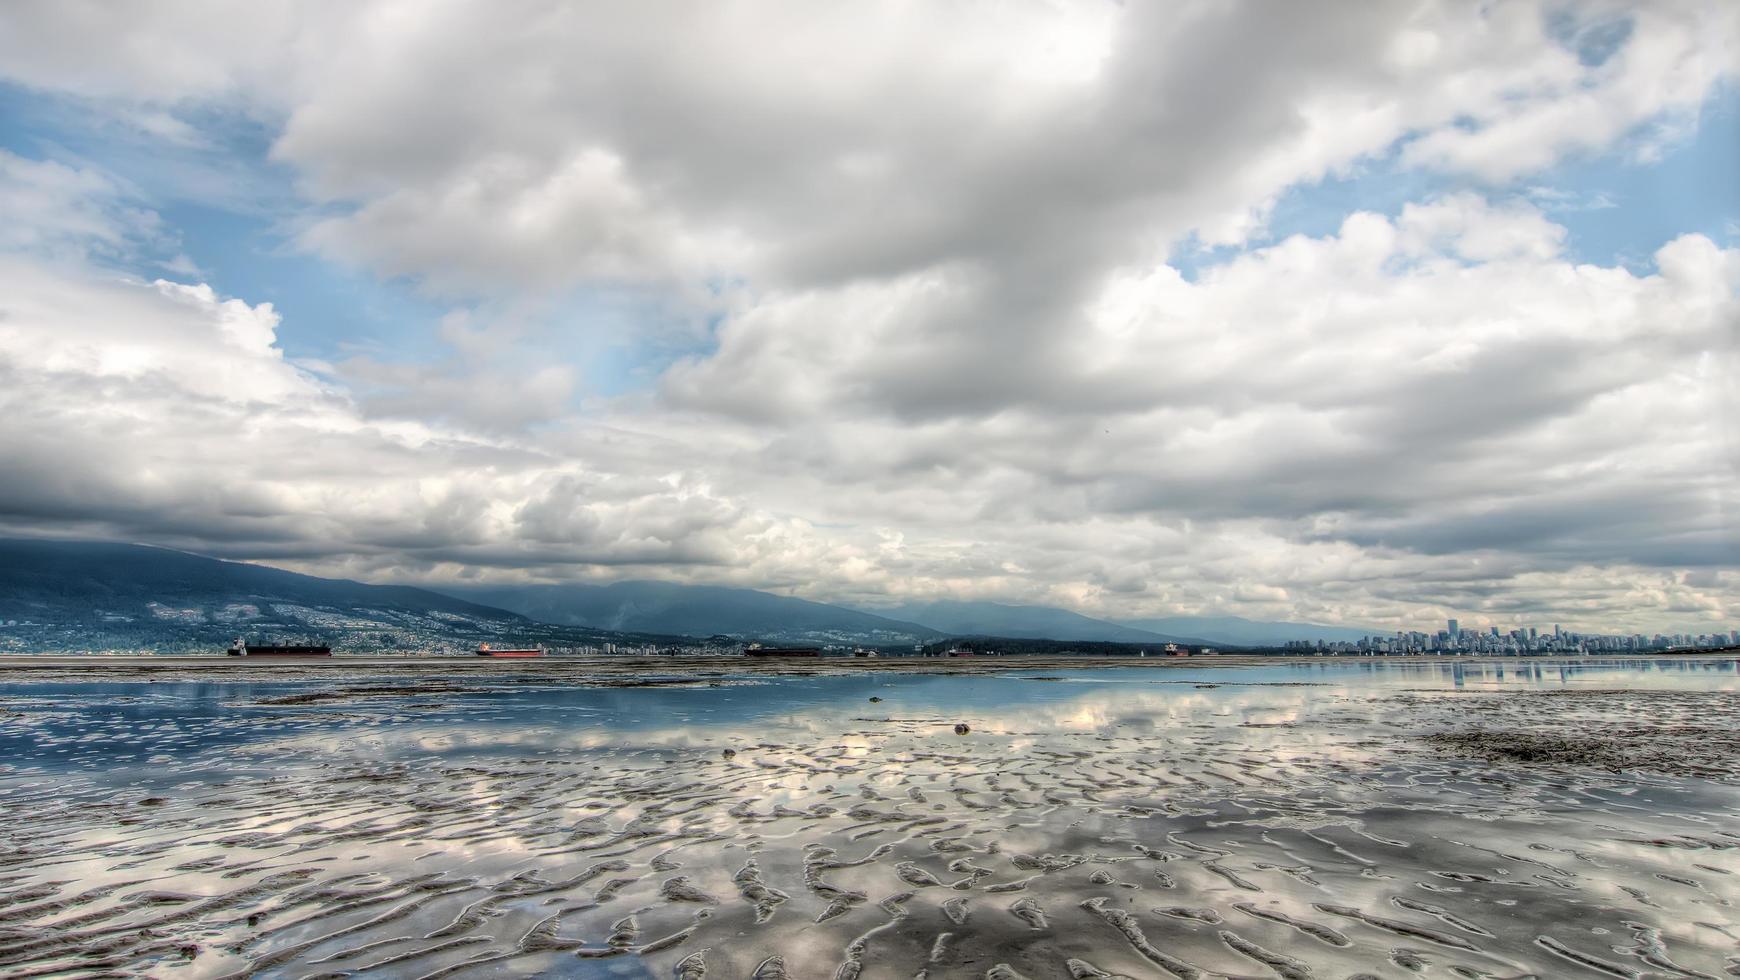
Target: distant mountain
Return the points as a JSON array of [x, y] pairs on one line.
[[1042, 622], [699, 610], [1234, 631], [73, 595]]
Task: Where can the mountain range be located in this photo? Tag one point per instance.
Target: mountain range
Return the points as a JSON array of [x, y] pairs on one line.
[[101, 595], [700, 610], [1236, 631], [1029, 622], [84, 595]]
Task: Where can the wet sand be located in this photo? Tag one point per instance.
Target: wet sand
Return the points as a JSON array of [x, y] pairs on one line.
[[483, 819]]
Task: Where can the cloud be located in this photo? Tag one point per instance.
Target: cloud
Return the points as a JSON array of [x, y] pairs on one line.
[[566, 143], [1665, 64], [1442, 385], [487, 383], [59, 209], [945, 354], [160, 411], [1440, 430]]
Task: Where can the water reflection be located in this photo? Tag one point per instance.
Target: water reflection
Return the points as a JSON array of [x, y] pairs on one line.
[[95, 725]]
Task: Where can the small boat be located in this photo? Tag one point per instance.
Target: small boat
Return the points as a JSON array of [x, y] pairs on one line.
[[485, 650], [242, 648]]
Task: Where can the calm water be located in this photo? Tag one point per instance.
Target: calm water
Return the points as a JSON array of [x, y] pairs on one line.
[[1284, 820], [117, 728]]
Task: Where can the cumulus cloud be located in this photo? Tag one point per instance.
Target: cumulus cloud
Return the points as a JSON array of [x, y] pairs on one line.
[[161, 411], [947, 355], [1443, 391], [480, 148]]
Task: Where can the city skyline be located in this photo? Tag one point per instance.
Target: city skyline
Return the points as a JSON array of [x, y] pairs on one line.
[[1526, 640]]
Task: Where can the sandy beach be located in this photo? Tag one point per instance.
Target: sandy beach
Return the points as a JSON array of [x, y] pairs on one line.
[[831, 819]]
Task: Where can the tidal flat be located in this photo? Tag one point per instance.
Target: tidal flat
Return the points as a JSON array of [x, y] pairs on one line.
[[1367, 818]]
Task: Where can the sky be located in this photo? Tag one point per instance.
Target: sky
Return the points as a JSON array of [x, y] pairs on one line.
[[1350, 313]]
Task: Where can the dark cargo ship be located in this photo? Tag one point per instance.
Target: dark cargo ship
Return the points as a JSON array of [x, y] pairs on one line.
[[241, 648], [757, 650]]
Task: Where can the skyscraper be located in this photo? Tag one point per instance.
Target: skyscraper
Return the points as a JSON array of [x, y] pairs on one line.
[[1455, 631]]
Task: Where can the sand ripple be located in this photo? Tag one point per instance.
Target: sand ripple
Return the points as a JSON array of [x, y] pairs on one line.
[[887, 847]]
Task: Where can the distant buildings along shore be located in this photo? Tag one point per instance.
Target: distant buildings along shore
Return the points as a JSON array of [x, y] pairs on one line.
[[1522, 641]]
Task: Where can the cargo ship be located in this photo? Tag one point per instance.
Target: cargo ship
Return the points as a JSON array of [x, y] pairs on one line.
[[242, 648], [485, 650], [757, 650]]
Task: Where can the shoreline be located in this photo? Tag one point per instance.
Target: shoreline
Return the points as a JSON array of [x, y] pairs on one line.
[[20, 667]]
